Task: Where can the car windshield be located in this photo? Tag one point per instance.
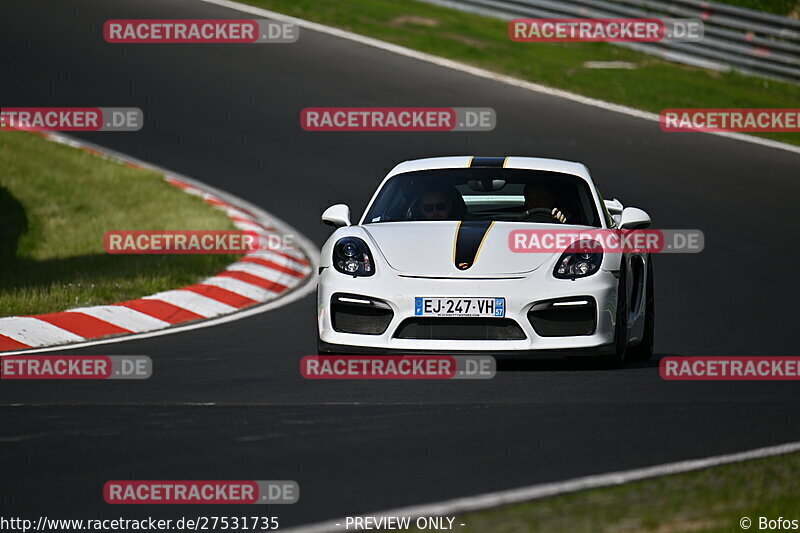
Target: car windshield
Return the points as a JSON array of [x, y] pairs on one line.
[[501, 194]]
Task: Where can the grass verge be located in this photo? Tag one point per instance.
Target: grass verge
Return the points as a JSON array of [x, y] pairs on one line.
[[778, 7], [57, 202], [706, 501], [653, 85]]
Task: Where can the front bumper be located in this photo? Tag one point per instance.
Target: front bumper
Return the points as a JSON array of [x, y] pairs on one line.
[[595, 351], [520, 293]]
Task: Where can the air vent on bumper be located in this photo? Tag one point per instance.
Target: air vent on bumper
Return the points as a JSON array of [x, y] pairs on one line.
[[352, 313], [564, 317]]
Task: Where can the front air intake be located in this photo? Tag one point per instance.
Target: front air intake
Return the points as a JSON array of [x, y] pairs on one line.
[[460, 329], [564, 317], [352, 313]]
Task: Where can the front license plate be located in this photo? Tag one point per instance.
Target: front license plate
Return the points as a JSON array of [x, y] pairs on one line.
[[476, 307]]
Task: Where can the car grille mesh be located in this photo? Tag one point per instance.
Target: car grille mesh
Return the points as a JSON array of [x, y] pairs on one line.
[[365, 320], [466, 329], [564, 321]]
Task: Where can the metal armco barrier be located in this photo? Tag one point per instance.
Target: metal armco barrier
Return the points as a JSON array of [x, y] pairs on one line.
[[735, 38]]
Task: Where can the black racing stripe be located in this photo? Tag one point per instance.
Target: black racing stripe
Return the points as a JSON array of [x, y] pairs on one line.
[[487, 162], [468, 241]]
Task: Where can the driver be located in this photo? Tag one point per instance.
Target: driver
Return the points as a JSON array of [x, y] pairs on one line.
[[435, 205], [540, 201]]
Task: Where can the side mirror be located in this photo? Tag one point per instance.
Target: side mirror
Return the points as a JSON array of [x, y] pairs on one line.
[[634, 218], [337, 216]]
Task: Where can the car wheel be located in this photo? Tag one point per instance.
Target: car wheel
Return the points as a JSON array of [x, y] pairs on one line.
[[321, 350], [644, 350], [617, 358]]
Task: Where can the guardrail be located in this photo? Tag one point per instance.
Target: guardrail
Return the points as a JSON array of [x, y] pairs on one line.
[[735, 38]]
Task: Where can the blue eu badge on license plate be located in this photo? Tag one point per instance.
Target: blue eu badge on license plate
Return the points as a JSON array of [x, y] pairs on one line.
[[499, 307]]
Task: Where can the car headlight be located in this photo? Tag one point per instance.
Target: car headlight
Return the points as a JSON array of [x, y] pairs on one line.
[[351, 256], [581, 259]]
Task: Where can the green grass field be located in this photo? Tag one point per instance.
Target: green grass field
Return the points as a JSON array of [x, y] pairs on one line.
[[778, 7], [706, 501], [653, 85], [57, 202]]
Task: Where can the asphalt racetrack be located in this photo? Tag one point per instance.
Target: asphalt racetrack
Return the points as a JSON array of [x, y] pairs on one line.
[[228, 402]]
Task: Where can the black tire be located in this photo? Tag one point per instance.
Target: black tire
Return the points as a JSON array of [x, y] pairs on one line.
[[644, 350], [617, 358], [321, 350]]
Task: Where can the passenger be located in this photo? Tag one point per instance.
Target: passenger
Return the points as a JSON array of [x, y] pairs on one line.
[[540, 202]]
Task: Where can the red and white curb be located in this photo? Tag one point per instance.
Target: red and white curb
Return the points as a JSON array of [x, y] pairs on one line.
[[263, 277]]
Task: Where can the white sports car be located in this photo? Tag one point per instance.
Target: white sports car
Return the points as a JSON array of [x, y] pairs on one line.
[[429, 267]]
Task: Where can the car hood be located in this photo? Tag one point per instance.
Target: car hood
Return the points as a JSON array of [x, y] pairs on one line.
[[422, 248]]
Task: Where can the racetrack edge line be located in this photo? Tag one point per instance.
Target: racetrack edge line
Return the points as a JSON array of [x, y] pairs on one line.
[[483, 73], [534, 492]]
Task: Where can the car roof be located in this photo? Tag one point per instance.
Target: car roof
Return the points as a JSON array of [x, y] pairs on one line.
[[464, 161]]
